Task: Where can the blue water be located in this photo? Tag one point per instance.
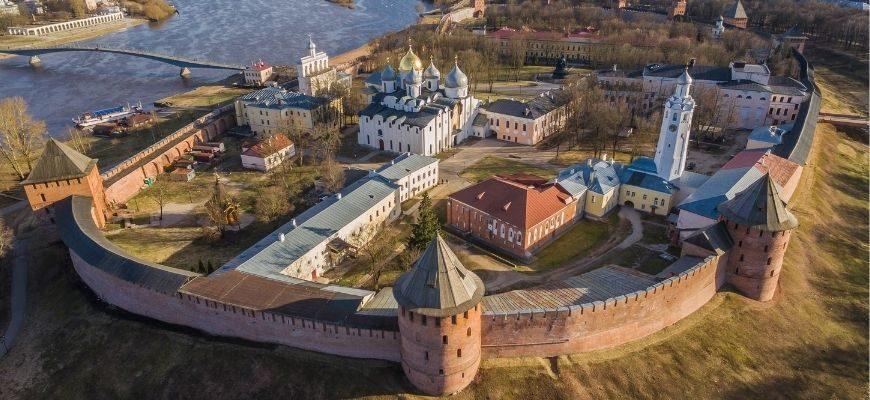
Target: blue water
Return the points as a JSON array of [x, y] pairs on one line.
[[230, 31]]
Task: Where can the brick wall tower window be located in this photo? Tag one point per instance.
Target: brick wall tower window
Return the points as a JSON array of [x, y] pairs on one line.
[[444, 339]]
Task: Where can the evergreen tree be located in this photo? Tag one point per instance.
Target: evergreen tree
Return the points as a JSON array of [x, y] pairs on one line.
[[426, 227], [200, 267]]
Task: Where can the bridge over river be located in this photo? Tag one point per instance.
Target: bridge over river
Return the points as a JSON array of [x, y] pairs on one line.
[[182, 62]]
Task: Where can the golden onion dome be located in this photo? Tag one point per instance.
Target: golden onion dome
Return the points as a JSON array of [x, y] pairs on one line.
[[410, 62]]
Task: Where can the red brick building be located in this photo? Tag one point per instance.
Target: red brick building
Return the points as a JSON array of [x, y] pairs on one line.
[[677, 9], [516, 213]]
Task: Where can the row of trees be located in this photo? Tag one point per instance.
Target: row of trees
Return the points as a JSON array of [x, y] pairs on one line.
[[830, 23], [21, 136]]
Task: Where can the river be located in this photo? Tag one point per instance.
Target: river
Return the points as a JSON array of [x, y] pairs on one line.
[[230, 31]]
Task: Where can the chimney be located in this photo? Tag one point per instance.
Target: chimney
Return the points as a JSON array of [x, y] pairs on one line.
[[293, 222], [589, 162], [338, 195], [281, 237], [614, 67], [691, 63], [604, 157]]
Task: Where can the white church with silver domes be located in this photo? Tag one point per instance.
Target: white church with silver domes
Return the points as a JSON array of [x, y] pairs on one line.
[[411, 111]]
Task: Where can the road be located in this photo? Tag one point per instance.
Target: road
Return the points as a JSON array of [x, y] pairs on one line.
[[19, 298]]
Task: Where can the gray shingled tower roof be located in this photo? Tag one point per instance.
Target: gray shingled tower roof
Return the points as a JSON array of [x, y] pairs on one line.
[[58, 162], [760, 207], [438, 285], [736, 11]]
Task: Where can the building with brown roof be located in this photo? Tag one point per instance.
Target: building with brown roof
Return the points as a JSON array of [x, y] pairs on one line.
[[735, 15], [268, 153], [516, 213]]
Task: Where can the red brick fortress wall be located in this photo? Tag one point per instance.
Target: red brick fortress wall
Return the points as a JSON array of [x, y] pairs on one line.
[[601, 324], [212, 318], [124, 180]]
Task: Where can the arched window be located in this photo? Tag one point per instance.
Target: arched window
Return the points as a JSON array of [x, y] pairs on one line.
[[468, 332]]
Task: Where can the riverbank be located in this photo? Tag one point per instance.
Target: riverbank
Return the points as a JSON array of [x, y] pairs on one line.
[[67, 37]]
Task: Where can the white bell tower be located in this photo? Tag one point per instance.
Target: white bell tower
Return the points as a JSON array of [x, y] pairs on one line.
[[673, 143]]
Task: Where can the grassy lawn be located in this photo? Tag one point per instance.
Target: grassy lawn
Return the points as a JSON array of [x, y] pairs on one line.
[[585, 236], [572, 157], [491, 165], [209, 96]]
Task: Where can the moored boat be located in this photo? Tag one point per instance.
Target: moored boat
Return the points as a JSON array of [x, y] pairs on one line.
[[106, 115]]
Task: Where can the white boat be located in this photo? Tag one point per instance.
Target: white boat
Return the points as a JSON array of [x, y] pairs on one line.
[[106, 115]]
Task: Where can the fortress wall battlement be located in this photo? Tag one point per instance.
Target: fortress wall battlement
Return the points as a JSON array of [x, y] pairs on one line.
[[124, 180], [233, 321], [602, 324]]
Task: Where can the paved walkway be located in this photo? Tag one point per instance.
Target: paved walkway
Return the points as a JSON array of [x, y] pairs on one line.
[[19, 299]]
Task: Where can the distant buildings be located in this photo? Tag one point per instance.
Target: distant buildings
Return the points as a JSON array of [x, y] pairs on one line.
[[316, 76], [746, 95], [793, 38], [719, 28], [526, 122], [8, 7], [268, 153], [274, 109], [547, 46], [735, 15], [411, 111], [677, 9], [258, 73]]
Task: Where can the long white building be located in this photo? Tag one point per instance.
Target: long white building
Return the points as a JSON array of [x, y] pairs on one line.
[[317, 239], [411, 111]]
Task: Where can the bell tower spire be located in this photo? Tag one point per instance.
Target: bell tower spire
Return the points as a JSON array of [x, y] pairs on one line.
[[673, 145]]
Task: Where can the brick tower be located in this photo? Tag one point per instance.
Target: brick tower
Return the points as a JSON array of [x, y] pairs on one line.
[[760, 227], [677, 9], [61, 172], [439, 321], [735, 15]]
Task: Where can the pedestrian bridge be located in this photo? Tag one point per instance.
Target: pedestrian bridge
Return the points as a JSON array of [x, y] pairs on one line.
[[184, 63]]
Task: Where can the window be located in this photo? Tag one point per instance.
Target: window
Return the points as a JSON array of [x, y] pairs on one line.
[[741, 257], [444, 339], [468, 332], [458, 352], [42, 196], [426, 355], [423, 320], [452, 321], [769, 260]]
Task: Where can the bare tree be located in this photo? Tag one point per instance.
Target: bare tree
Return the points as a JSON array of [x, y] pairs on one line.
[[6, 238], [331, 175], [159, 194], [21, 136], [78, 140], [272, 202], [221, 209], [378, 246]]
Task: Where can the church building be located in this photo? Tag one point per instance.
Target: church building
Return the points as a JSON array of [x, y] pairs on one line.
[[315, 75], [412, 111]]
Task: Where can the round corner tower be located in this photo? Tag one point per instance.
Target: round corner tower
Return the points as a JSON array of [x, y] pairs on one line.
[[760, 226], [439, 321]]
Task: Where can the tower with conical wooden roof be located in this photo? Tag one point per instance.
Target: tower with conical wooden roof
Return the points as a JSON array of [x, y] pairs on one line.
[[439, 321], [61, 172], [760, 226]]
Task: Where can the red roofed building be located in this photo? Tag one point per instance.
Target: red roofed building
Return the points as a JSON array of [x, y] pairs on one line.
[[258, 73], [785, 173], [516, 213], [548, 45]]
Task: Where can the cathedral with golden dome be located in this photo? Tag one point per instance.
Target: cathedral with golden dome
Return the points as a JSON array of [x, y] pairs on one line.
[[412, 110]]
